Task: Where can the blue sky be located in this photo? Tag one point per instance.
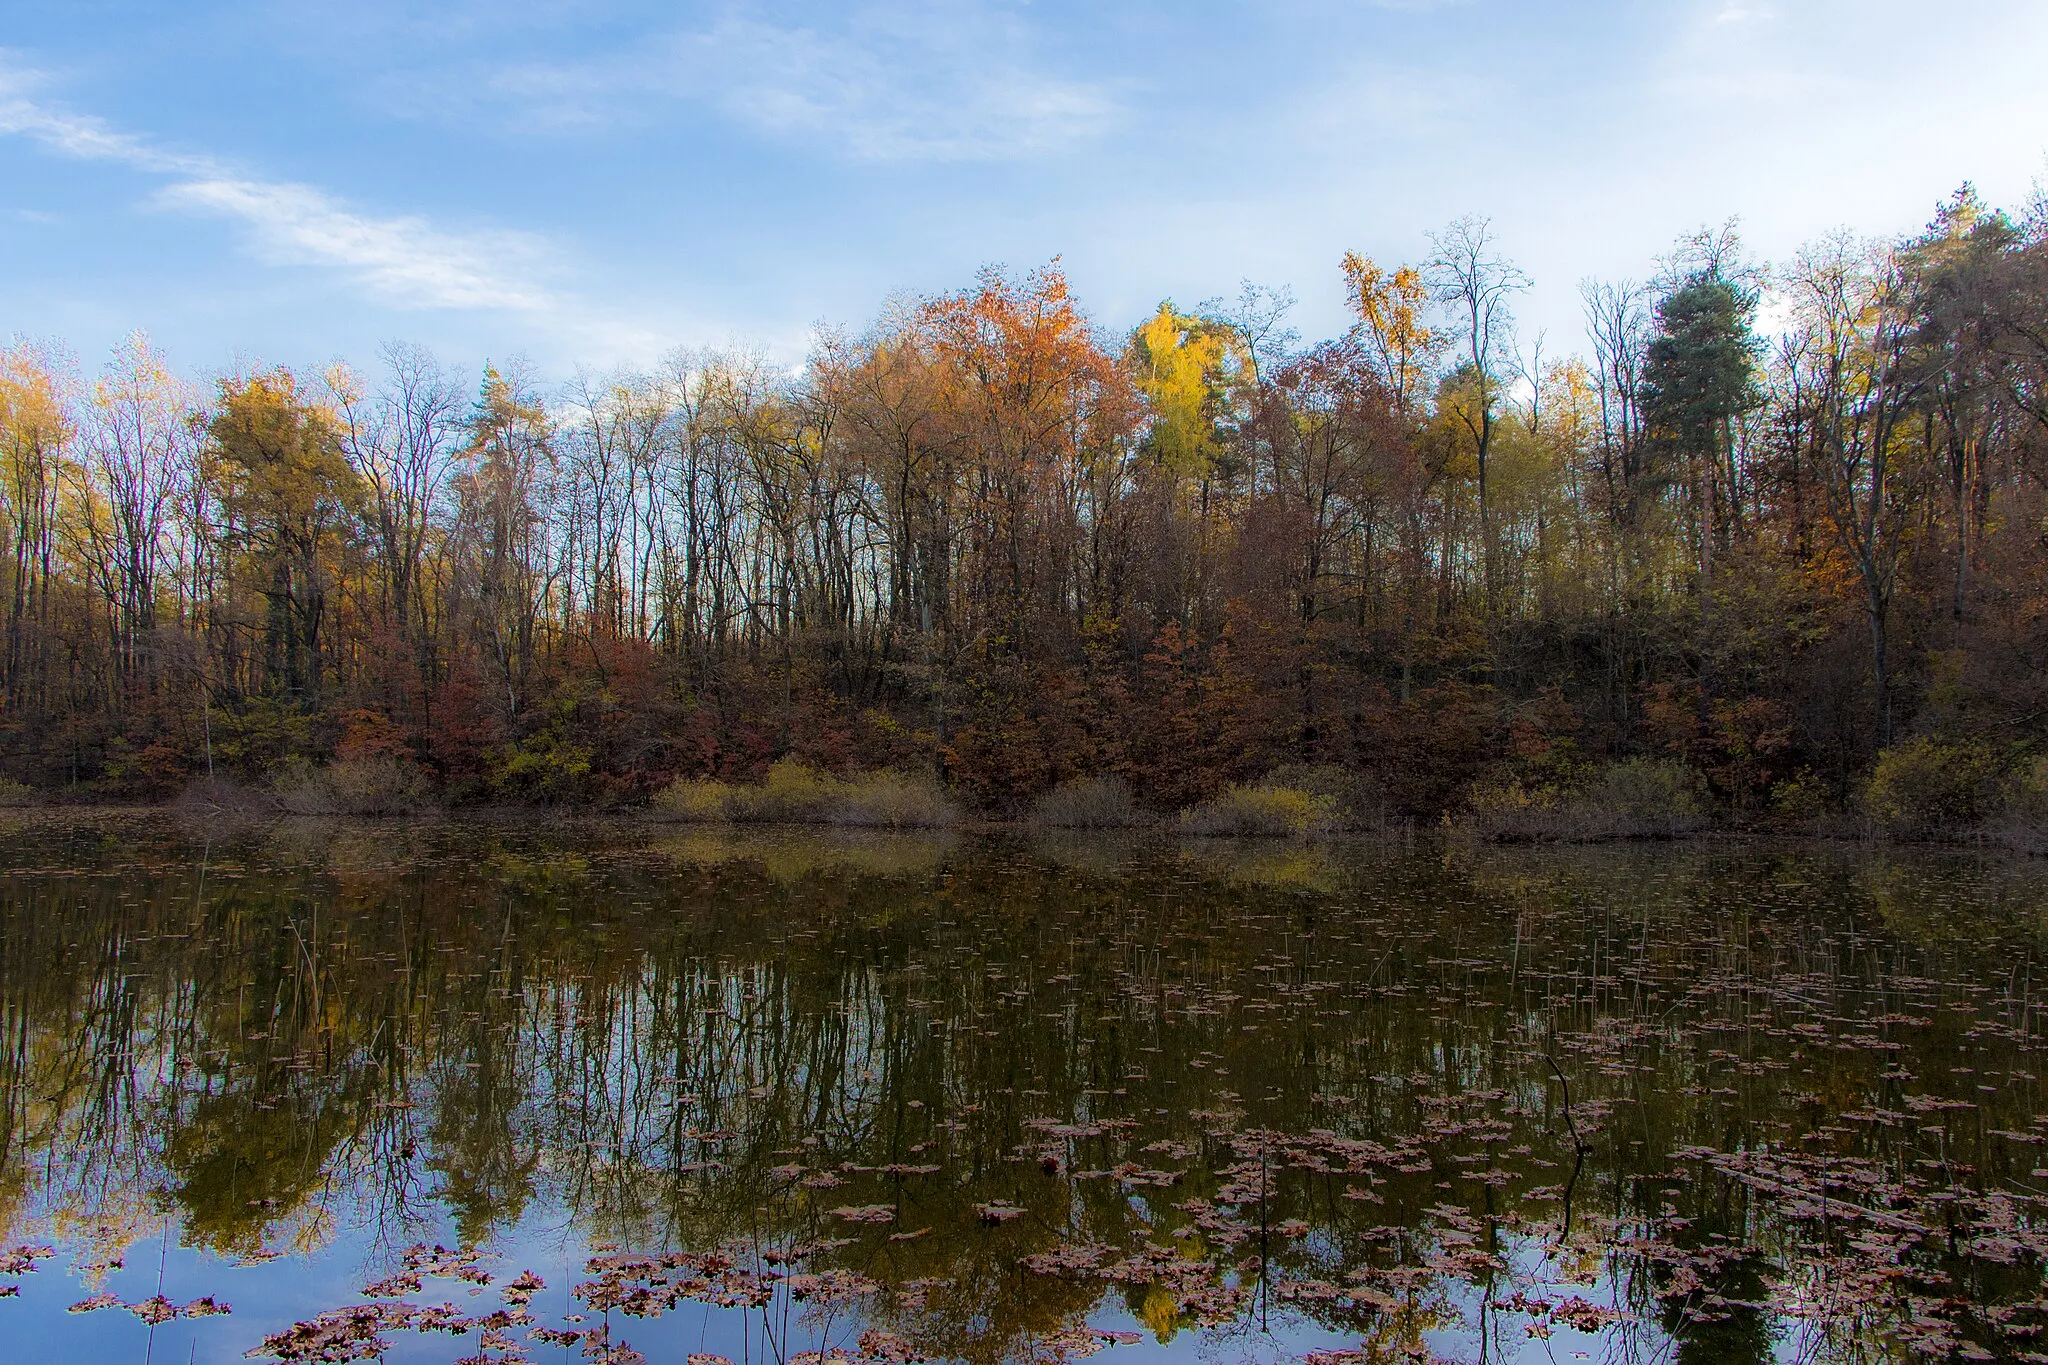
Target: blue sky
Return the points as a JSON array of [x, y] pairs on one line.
[[295, 180]]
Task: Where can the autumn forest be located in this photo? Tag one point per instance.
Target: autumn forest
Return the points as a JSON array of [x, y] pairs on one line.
[[1774, 541]]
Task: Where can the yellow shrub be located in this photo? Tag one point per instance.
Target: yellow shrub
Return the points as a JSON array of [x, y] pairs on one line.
[[893, 801], [689, 799], [794, 793], [1262, 812], [1925, 786]]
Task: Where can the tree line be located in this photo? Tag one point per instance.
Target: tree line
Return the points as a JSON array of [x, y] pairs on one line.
[[1779, 521]]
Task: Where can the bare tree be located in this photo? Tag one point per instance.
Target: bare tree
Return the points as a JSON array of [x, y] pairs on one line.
[[1618, 321], [401, 440], [1475, 281], [1855, 321], [137, 447]]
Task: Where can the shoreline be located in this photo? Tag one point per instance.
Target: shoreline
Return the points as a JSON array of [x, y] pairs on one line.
[[2018, 843]]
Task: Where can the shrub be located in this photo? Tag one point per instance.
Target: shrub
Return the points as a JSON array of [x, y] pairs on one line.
[[794, 793], [375, 785], [1089, 803], [544, 767], [209, 796], [2026, 796], [891, 800], [692, 799], [1802, 796], [1262, 812], [14, 793], [1358, 797], [2024, 823], [1928, 787], [1652, 790], [1633, 799]]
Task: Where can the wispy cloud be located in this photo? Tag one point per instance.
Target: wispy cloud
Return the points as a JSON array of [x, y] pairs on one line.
[[923, 83], [405, 261], [79, 136]]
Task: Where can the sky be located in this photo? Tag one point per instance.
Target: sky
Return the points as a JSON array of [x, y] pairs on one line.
[[595, 182]]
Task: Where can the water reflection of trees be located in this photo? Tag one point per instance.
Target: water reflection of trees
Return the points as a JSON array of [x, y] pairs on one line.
[[685, 1044]]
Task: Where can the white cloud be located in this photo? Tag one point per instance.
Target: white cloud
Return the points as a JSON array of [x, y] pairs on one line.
[[75, 135], [404, 261], [928, 83]]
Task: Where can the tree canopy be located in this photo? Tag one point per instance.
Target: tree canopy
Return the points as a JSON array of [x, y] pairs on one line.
[[988, 538]]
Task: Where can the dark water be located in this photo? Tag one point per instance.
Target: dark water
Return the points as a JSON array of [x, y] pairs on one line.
[[997, 1099]]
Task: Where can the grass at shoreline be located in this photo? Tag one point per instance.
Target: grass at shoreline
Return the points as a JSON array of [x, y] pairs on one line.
[[794, 797]]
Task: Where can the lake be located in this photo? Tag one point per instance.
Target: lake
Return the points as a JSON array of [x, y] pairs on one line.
[[470, 1090]]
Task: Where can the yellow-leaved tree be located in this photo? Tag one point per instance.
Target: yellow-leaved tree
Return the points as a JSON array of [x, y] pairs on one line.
[[1397, 340], [283, 493], [1184, 366]]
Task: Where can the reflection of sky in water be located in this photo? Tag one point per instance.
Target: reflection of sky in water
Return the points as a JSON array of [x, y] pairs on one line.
[[1336, 1061]]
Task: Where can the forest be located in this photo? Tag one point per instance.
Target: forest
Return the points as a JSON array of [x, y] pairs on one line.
[[1771, 550]]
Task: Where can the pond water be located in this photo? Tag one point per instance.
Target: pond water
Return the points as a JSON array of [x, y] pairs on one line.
[[473, 1091]]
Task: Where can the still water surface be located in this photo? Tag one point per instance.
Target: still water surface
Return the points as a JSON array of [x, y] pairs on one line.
[[1003, 1099]]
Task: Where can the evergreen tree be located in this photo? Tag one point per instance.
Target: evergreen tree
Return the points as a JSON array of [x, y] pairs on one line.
[[1698, 377]]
